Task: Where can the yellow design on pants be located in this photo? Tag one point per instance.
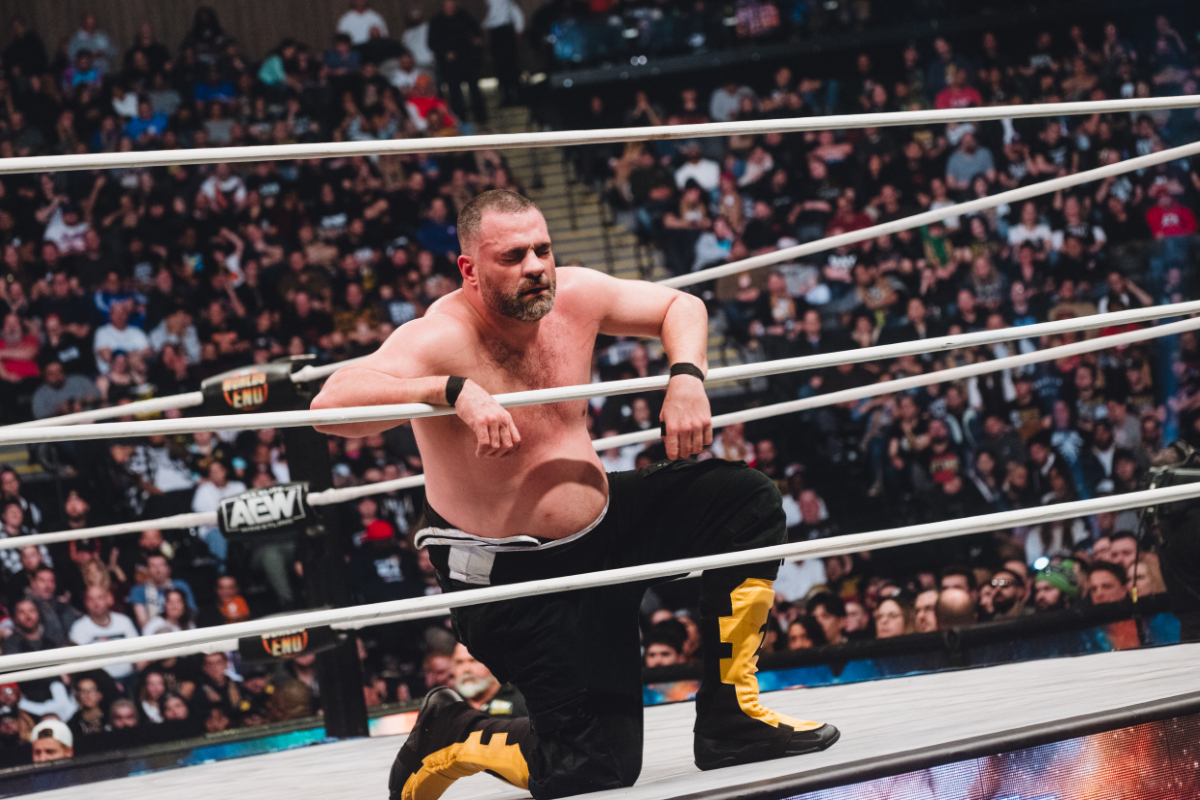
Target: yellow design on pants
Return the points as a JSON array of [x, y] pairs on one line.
[[444, 767], [745, 630]]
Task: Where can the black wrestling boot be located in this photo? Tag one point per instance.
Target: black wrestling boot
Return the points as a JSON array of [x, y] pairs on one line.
[[732, 726], [451, 740]]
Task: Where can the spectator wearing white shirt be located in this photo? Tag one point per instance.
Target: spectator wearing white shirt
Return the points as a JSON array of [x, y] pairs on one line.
[[727, 99], [102, 624], [504, 23], [703, 171], [67, 229], [89, 37], [358, 22], [207, 498], [416, 40], [118, 334]]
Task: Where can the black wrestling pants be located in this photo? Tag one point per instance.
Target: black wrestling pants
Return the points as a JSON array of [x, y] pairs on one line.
[[576, 656]]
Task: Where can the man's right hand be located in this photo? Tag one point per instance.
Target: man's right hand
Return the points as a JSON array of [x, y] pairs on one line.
[[496, 434]]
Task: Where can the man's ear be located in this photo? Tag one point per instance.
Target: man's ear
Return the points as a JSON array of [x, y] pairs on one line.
[[466, 265]]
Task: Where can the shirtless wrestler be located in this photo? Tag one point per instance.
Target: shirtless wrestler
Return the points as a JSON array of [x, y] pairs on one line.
[[518, 495]]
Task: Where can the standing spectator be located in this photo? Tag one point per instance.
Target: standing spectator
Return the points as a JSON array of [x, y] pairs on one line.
[[359, 20], [416, 39], [457, 43], [505, 22], [25, 50], [89, 37], [102, 624]]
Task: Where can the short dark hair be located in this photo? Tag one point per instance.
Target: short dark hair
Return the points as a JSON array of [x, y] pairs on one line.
[[827, 600], [1116, 570], [669, 632], [959, 569], [500, 201], [1125, 535]]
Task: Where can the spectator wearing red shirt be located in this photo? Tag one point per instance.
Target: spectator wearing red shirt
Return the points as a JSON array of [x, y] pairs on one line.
[[1167, 218], [959, 94]]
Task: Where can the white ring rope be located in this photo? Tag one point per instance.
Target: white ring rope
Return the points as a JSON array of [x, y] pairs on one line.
[[334, 496], [335, 416], [194, 399], [1011, 196], [457, 144], [158, 404], [416, 608]]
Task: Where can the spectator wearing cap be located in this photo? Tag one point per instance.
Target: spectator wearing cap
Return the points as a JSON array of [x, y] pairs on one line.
[[52, 740], [382, 570], [1056, 587]]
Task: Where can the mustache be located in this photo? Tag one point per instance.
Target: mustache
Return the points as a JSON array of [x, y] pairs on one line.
[[530, 285]]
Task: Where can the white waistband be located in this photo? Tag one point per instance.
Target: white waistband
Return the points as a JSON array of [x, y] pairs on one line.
[[472, 557]]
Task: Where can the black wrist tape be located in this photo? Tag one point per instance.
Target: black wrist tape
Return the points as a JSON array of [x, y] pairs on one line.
[[454, 387], [684, 368]]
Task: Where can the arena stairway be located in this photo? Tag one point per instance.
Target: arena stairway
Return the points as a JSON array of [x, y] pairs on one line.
[[581, 224]]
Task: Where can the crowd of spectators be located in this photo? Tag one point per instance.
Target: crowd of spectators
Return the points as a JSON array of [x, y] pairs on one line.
[[137, 283], [1071, 429]]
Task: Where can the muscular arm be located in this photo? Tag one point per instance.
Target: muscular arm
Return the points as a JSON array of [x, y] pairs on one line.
[[638, 308], [402, 370]]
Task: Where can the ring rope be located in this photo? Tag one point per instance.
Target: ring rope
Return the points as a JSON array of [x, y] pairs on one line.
[[171, 403], [414, 608], [334, 496], [381, 413], [194, 399], [937, 215], [457, 144]]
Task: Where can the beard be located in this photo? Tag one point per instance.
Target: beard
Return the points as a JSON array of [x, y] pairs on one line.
[[1003, 606], [518, 304], [470, 686]]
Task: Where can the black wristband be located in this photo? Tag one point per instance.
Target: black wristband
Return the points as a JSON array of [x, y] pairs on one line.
[[454, 387], [684, 368]]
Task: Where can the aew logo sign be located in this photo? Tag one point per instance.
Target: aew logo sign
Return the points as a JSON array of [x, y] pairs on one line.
[[245, 392], [263, 509]]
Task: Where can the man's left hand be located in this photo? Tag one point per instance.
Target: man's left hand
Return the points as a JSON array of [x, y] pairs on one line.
[[686, 417]]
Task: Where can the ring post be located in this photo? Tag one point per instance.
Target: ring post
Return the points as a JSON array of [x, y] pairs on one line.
[[269, 387]]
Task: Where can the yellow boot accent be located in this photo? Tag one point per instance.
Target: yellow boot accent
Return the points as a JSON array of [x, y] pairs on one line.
[[444, 767], [745, 630]]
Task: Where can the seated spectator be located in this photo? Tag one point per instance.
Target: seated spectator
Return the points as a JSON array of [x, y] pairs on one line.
[[149, 598], [805, 632], [29, 634], [828, 611], [895, 616], [60, 393], [1106, 583], [208, 497], [102, 624], [229, 605], [955, 609], [52, 741], [1056, 587], [663, 644], [482, 691], [89, 719]]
